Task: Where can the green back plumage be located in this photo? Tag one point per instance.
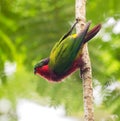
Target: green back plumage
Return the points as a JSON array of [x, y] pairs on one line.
[[65, 51]]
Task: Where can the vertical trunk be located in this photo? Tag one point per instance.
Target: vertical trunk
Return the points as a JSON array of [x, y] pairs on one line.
[[85, 68]]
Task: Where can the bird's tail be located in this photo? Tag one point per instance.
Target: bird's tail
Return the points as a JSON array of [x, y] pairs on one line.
[[92, 33]]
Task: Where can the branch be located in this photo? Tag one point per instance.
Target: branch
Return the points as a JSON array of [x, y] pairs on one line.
[[85, 68]]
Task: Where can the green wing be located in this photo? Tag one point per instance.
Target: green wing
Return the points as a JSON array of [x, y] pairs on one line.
[[65, 51]]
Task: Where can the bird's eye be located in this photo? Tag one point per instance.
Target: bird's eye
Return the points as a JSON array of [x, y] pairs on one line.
[[40, 64]]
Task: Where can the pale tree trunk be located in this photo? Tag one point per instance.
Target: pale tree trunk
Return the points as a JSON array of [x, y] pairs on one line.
[[85, 69]]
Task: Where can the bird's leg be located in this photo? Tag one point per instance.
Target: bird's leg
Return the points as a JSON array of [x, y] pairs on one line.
[[71, 29]]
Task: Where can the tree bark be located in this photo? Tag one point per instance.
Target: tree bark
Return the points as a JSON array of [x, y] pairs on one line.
[[85, 68]]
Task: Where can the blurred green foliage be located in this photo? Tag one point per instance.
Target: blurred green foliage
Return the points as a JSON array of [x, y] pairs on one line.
[[29, 29]]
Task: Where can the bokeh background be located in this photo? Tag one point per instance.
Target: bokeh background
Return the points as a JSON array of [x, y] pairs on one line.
[[28, 31]]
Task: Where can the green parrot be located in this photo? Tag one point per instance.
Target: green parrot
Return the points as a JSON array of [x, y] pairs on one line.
[[65, 57]]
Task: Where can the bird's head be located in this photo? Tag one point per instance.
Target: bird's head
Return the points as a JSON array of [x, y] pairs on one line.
[[41, 66], [42, 69]]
